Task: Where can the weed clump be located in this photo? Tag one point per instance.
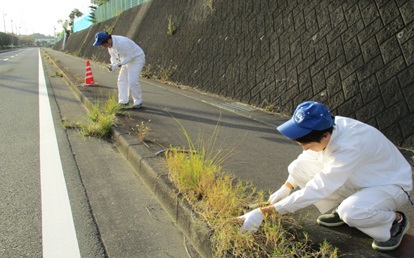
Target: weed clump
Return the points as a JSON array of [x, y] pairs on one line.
[[219, 198], [101, 117]]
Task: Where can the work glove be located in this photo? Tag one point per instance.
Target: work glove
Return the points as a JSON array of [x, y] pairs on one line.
[[113, 67], [280, 194], [252, 221]]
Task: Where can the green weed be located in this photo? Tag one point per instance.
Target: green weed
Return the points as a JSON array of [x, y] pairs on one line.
[[171, 28], [101, 118]]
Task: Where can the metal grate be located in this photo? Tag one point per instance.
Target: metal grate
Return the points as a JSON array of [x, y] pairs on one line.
[[233, 106]]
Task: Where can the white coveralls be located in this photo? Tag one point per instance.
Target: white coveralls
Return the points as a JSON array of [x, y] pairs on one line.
[[360, 170], [132, 58]]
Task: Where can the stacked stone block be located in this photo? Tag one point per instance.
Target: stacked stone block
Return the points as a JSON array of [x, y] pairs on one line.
[[355, 56]]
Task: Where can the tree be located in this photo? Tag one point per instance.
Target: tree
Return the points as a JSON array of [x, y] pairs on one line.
[[92, 15], [99, 2], [65, 26], [74, 14], [26, 41], [4, 40], [93, 7]]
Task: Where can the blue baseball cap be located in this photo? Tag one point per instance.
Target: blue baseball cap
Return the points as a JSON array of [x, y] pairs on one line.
[[100, 38], [307, 117]]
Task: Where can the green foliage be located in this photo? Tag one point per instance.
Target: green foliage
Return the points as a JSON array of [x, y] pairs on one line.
[[92, 15], [109, 29], [8, 39], [5, 39], [99, 2], [210, 4], [101, 118], [171, 29], [74, 14]]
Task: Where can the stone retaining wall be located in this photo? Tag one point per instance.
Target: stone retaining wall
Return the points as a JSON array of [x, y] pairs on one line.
[[355, 56]]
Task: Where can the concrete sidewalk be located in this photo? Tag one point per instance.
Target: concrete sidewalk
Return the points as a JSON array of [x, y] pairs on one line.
[[259, 153]]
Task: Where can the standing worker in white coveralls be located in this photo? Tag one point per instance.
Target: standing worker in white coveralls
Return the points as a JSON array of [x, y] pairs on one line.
[[347, 166], [130, 58]]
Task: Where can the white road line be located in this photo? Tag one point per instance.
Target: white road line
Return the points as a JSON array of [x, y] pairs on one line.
[[58, 230]]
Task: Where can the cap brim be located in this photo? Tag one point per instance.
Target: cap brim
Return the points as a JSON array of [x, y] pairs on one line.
[[291, 130], [97, 43]]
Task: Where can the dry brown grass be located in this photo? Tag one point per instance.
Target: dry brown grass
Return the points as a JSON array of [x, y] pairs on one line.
[[219, 198]]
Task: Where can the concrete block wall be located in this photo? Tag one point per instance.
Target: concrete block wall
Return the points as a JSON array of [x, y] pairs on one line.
[[355, 56]]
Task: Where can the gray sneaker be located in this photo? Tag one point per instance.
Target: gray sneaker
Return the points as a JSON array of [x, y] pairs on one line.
[[330, 220], [138, 106], [397, 232]]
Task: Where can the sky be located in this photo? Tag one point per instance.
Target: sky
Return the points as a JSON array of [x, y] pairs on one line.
[[26, 17]]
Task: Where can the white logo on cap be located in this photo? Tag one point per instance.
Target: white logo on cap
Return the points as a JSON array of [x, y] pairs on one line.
[[299, 116]]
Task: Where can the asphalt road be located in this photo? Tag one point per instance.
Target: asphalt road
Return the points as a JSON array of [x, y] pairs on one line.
[[131, 221], [258, 153], [109, 211], [21, 197], [113, 212]]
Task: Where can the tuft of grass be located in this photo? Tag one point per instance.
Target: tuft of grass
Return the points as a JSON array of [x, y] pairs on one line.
[[210, 4], [146, 72], [195, 170], [165, 72], [190, 173], [219, 198], [57, 74], [171, 29], [69, 125], [161, 73], [268, 106], [101, 118], [142, 130]]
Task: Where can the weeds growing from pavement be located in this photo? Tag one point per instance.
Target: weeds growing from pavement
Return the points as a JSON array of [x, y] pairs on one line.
[[101, 118], [219, 198], [57, 73], [142, 130], [171, 26], [146, 72], [210, 4], [160, 73], [194, 171], [164, 73]]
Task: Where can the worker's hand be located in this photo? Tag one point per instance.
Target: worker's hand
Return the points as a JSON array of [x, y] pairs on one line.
[[280, 194], [252, 221], [113, 67]]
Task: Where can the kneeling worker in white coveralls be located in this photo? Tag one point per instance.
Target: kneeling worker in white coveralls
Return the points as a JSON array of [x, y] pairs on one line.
[[130, 58], [348, 167]]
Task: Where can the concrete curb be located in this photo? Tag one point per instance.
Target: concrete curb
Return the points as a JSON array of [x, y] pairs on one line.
[[152, 170]]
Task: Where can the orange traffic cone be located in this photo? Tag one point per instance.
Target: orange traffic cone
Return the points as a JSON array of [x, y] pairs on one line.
[[88, 75]]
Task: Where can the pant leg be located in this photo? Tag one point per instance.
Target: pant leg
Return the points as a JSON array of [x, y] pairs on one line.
[[304, 168], [134, 71], [123, 88], [372, 210]]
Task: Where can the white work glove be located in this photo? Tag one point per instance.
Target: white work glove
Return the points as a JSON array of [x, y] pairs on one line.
[[252, 221], [113, 67], [280, 194]]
